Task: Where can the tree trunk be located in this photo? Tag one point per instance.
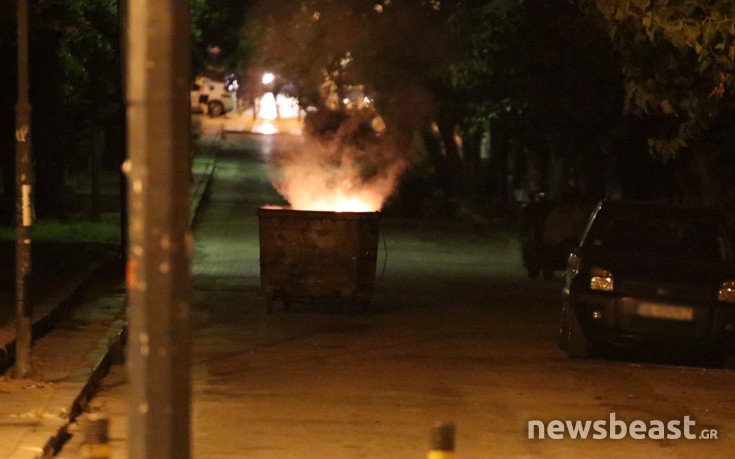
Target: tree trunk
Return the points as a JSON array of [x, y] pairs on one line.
[[7, 206], [98, 147], [500, 158], [556, 174], [50, 178], [705, 167], [453, 163], [471, 164]]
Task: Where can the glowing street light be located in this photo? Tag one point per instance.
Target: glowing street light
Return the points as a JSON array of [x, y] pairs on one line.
[[268, 107], [268, 78]]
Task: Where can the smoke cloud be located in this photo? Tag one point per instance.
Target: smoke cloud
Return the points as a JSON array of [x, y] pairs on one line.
[[352, 170], [394, 51]]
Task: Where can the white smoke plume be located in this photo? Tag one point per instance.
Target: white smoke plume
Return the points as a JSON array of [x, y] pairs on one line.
[[340, 172]]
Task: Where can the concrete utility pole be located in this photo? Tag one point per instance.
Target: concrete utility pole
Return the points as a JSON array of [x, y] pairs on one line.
[[122, 24], [23, 206], [160, 244]]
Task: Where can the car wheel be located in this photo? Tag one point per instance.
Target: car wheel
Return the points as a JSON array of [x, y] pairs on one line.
[[577, 345], [564, 330], [215, 109]]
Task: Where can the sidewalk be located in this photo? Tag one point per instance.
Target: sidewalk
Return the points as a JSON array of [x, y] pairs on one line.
[[245, 122], [75, 353], [455, 332]]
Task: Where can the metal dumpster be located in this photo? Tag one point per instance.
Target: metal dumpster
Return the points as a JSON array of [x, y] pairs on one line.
[[317, 255]]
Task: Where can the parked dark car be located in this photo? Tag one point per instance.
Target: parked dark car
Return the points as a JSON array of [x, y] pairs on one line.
[[548, 232], [650, 274]]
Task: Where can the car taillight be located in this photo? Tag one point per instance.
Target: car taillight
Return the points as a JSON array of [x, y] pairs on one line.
[[601, 279], [727, 292]]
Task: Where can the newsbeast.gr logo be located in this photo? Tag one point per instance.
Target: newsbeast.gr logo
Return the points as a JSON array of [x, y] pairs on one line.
[[616, 429]]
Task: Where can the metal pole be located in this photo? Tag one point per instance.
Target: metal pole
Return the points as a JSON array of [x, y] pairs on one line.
[[23, 206], [442, 441], [122, 18], [160, 243]]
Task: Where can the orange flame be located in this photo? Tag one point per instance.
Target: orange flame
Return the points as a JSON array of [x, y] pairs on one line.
[[337, 202], [315, 178]]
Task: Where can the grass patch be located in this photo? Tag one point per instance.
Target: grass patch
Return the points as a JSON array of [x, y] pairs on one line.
[[104, 230]]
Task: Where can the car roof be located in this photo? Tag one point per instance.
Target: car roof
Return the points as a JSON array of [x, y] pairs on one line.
[[660, 208]]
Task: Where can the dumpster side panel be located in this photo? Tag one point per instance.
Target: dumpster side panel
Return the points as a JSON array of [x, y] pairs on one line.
[[317, 254]]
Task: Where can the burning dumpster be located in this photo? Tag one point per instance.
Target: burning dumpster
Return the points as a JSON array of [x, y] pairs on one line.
[[317, 255]]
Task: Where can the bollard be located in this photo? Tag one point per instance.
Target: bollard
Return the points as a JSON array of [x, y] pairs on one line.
[[96, 440], [442, 441]]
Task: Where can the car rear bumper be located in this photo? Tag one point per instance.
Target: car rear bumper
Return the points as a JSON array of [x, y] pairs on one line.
[[622, 321]]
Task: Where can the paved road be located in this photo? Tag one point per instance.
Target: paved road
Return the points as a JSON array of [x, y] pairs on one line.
[[455, 332]]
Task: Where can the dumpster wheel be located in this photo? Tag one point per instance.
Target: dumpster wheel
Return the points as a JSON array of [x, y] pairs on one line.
[[356, 304], [271, 301]]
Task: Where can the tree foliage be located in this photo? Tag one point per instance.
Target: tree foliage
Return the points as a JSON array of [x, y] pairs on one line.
[[537, 68], [396, 51], [481, 72], [75, 88], [542, 77], [216, 32], [678, 62], [86, 37]]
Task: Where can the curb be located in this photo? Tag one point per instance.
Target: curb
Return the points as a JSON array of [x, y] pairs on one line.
[[201, 187], [103, 356], [114, 341], [52, 310]]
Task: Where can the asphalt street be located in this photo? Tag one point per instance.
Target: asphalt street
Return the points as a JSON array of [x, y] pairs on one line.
[[455, 332]]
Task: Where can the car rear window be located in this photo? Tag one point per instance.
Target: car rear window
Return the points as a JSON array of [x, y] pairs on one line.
[[702, 239]]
